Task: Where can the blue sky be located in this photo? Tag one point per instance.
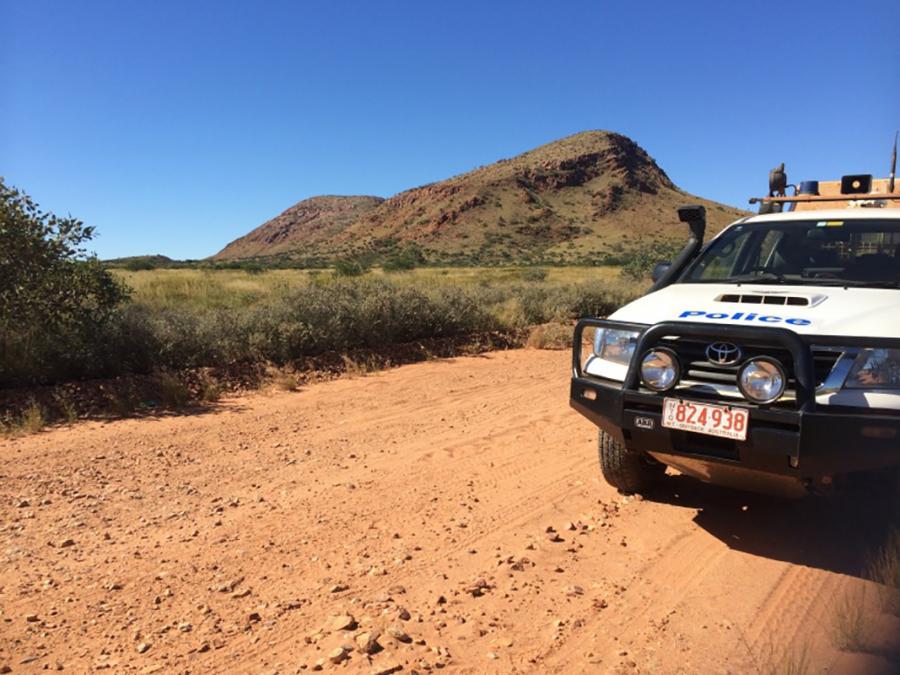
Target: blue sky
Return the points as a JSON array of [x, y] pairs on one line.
[[174, 127]]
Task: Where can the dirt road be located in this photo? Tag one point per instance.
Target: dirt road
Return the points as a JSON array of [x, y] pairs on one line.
[[416, 503]]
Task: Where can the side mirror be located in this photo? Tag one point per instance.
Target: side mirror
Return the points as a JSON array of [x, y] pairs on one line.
[[659, 270]]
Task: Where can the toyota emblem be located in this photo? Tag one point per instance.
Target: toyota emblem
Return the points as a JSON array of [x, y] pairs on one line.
[[723, 353]]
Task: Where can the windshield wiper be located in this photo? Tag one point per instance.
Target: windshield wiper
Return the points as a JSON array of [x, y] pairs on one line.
[[764, 278]]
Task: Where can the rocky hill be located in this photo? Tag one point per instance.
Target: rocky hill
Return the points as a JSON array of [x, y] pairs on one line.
[[594, 194], [314, 222]]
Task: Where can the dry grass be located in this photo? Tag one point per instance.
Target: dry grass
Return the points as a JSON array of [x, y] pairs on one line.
[[32, 419], [850, 621], [772, 657], [210, 390], [550, 336], [173, 393], [210, 289], [285, 380], [884, 570]]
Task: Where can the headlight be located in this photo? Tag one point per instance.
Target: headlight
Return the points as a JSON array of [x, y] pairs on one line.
[[660, 369], [875, 369], [762, 380], [615, 345]]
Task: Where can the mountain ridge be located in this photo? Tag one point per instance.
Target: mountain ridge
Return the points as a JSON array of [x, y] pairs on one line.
[[588, 195]]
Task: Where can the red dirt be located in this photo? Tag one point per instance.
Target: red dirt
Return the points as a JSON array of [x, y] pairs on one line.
[[229, 541]]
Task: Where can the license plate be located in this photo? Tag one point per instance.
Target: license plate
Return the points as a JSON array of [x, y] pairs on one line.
[[706, 418]]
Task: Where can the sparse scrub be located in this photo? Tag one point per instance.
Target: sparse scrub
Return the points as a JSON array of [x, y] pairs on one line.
[[349, 267], [33, 418], [193, 319], [773, 657], [68, 411], [173, 393], [534, 274], [210, 390], [550, 336], [850, 620], [286, 381], [884, 570]]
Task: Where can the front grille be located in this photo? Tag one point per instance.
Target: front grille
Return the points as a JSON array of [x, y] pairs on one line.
[[698, 370]]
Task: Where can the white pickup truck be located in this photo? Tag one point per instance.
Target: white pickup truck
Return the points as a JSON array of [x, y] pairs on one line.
[[768, 359]]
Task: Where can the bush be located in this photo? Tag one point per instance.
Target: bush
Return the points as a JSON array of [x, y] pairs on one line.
[[638, 263], [350, 267], [408, 259], [534, 274], [56, 301]]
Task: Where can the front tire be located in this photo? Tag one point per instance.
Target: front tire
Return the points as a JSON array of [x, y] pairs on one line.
[[629, 472]]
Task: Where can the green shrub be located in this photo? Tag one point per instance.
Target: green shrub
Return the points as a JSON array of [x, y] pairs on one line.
[[56, 301], [639, 262], [350, 267], [534, 274]]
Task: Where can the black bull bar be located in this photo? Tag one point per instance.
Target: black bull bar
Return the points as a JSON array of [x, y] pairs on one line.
[[830, 439]]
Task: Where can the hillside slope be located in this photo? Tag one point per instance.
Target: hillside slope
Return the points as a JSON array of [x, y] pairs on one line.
[[590, 195], [312, 222]]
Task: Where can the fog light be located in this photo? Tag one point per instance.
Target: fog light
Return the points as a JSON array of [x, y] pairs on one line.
[[762, 380], [660, 370]]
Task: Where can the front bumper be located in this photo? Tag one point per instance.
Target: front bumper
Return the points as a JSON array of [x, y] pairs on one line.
[[805, 443]]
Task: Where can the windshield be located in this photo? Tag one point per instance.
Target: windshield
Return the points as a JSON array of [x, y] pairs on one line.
[[814, 252]]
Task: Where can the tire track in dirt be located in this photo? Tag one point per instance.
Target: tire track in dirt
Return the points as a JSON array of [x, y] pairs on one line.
[[226, 541]]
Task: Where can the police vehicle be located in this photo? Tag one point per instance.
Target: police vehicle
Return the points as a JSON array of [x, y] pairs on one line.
[[767, 359]]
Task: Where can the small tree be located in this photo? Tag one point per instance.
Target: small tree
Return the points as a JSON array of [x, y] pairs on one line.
[[55, 298], [408, 259], [639, 262]]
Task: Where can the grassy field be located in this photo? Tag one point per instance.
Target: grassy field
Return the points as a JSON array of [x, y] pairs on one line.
[[214, 289], [206, 328]]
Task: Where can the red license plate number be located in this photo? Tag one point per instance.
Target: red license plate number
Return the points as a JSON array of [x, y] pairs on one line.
[[706, 418]]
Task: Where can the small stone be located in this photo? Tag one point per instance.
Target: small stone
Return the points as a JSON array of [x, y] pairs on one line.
[[399, 634], [554, 537], [387, 668], [5, 669], [492, 655], [571, 526], [337, 655], [338, 588], [23, 504], [66, 543], [367, 643], [574, 590], [404, 614], [397, 590], [185, 627], [32, 618], [318, 665], [343, 622], [253, 617], [143, 647]]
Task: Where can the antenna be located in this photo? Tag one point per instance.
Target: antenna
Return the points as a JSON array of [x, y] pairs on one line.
[[893, 164]]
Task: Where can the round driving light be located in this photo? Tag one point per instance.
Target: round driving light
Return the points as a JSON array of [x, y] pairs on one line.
[[660, 370], [762, 380]]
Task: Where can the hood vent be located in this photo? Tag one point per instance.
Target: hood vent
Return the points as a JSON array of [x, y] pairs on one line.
[[771, 299]]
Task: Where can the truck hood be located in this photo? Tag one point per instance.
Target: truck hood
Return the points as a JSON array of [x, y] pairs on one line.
[[810, 310]]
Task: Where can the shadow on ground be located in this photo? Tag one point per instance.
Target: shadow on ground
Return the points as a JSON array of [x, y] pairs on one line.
[[837, 533]]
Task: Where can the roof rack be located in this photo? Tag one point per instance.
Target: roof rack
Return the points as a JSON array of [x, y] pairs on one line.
[[862, 190], [869, 196]]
